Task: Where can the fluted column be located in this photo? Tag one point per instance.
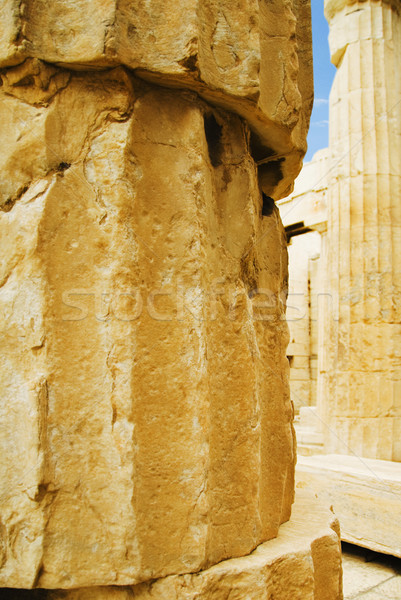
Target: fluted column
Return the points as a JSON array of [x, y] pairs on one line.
[[361, 377]]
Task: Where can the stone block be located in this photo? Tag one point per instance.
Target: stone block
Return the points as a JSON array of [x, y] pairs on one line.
[[249, 57], [365, 495], [302, 563]]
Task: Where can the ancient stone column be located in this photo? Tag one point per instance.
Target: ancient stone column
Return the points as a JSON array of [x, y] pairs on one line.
[[146, 425], [362, 374]]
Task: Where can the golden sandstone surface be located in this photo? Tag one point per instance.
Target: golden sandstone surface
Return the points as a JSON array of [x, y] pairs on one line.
[[146, 425]]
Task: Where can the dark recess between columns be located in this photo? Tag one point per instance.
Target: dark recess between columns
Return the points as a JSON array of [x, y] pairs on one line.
[[213, 132]]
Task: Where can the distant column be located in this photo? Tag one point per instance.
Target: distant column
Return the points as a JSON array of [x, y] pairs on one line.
[[361, 374], [298, 315]]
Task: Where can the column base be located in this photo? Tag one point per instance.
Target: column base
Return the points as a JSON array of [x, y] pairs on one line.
[[302, 563]]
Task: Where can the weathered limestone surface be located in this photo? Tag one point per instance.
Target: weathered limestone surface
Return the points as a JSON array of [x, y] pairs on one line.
[[248, 56], [146, 426], [129, 388], [365, 495], [302, 563], [361, 372]]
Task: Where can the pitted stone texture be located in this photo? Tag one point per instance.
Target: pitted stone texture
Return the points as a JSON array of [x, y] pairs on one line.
[[302, 563], [145, 421], [252, 57]]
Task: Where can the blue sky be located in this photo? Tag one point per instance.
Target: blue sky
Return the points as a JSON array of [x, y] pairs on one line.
[[323, 75]]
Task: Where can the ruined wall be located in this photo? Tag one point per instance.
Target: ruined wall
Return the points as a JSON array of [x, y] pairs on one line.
[[145, 416]]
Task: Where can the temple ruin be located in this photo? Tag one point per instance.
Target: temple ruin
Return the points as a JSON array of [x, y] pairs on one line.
[[147, 445], [349, 199]]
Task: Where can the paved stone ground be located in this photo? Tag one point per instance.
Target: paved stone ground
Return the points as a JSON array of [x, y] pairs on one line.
[[369, 575]]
